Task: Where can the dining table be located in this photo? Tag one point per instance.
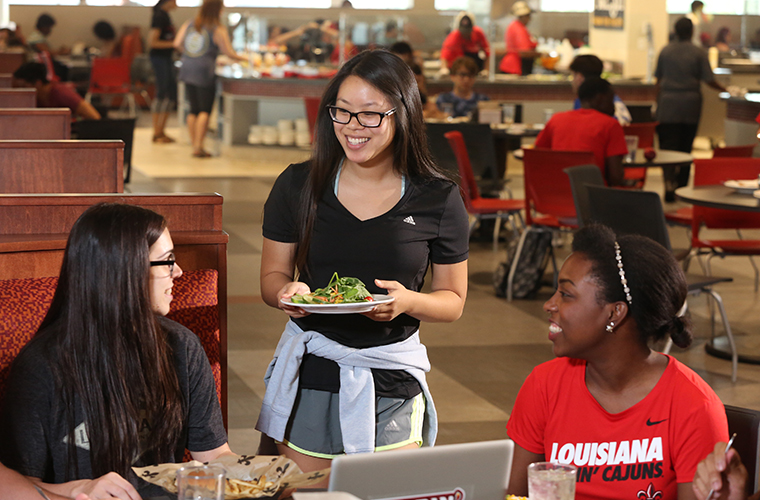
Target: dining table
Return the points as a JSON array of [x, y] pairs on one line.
[[663, 158], [717, 196]]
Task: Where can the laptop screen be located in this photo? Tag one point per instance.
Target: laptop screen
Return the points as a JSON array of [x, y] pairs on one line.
[[467, 471]]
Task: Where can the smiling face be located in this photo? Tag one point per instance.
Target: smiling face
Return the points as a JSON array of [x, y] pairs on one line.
[[161, 279], [366, 147], [577, 319]]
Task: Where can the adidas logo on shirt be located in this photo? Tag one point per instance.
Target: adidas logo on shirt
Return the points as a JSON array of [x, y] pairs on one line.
[[410, 220]]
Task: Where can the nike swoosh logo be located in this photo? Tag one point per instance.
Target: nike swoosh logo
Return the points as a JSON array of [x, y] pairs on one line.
[[650, 423]]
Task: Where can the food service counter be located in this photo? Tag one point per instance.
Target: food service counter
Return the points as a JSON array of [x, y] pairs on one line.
[[741, 127], [247, 100]]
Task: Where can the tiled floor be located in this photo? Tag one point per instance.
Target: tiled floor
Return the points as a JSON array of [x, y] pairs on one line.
[[479, 362]]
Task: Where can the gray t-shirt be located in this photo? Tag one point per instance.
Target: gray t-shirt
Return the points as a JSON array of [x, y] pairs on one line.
[[681, 68], [199, 53], [33, 430]]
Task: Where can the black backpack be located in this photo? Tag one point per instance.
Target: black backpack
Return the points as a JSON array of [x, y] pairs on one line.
[[530, 268]]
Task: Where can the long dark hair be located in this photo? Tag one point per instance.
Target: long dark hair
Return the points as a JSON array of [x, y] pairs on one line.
[[106, 350], [159, 4], [390, 75], [657, 283]]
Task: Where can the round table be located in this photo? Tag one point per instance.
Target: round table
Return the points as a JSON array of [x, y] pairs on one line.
[[663, 158], [747, 346]]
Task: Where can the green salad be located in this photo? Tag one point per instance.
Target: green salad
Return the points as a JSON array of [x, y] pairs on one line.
[[338, 291]]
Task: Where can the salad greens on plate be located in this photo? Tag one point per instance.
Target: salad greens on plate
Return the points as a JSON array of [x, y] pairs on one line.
[[338, 291]]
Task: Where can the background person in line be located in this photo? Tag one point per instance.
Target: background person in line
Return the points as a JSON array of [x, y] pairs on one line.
[[462, 100], [681, 69], [371, 204], [200, 41], [161, 44], [108, 382], [607, 388]]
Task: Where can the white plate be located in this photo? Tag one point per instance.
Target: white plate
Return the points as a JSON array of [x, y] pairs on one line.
[[756, 194], [743, 186], [350, 308]]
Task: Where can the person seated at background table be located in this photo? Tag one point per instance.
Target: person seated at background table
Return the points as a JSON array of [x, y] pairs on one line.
[[106, 35], [37, 39], [631, 419], [462, 100], [10, 36], [590, 128], [521, 46], [723, 39], [724, 473], [53, 94], [108, 382], [465, 39], [588, 65]]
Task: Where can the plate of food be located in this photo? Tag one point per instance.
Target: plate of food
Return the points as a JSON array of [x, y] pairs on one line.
[[748, 186], [341, 296]]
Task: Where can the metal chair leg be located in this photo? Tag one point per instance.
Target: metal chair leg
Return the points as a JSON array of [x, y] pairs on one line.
[[729, 334], [515, 260]]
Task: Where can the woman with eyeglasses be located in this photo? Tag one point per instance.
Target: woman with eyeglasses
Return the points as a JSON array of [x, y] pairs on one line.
[[370, 204], [108, 382]]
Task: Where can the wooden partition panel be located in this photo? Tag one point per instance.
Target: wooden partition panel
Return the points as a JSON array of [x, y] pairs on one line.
[[6, 80], [35, 123], [61, 166], [11, 61], [18, 98], [34, 228]]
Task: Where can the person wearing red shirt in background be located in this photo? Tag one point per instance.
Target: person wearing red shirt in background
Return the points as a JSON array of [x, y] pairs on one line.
[[53, 94], [590, 128], [467, 40], [521, 46]]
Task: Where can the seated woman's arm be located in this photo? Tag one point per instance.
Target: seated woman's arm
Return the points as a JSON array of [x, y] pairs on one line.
[[205, 456], [105, 487], [518, 479], [17, 487]]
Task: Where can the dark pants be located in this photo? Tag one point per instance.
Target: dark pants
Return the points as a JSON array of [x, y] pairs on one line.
[[166, 83], [676, 137]]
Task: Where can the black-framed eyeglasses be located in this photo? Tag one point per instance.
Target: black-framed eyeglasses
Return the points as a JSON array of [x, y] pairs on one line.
[[169, 263], [367, 119]]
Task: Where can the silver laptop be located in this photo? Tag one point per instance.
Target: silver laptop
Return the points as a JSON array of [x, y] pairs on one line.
[[467, 471]]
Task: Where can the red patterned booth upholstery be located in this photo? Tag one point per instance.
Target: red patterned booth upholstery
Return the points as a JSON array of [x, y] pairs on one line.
[[24, 303]]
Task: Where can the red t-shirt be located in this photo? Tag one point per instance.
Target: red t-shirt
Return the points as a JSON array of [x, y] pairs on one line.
[[648, 448], [517, 39], [61, 96], [584, 130], [455, 45]]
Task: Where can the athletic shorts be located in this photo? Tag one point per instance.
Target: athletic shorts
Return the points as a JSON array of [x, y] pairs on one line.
[[314, 425]]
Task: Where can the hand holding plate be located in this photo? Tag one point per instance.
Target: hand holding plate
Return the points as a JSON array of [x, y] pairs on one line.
[[388, 311], [292, 288]]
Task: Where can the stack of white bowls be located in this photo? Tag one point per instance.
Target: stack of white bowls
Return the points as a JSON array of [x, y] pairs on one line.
[[255, 134], [303, 137], [286, 135], [269, 135]]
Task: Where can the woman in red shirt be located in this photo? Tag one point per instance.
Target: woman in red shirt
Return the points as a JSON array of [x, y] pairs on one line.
[[467, 40], [521, 46]]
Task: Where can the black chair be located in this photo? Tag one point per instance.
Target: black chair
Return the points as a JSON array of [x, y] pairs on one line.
[[480, 148], [746, 424], [581, 177], [107, 128], [640, 212]]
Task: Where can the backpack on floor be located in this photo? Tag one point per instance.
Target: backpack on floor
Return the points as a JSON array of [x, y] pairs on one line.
[[530, 268]]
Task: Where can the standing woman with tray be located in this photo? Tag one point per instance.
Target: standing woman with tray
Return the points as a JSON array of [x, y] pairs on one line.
[[107, 382], [200, 41], [370, 204], [161, 43], [635, 422]]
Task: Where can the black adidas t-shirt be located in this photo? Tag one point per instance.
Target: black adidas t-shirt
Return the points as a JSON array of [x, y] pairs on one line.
[[428, 225]]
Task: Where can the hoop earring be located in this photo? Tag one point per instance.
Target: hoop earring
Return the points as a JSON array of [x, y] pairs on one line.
[[610, 327]]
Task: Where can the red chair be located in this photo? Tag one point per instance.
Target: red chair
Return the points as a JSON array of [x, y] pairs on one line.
[[645, 133], [312, 112], [683, 216], [111, 76], [480, 208], [734, 151], [548, 193], [717, 171]]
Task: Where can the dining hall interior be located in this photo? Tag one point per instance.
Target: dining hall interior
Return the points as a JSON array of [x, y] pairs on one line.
[[480, 361]]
